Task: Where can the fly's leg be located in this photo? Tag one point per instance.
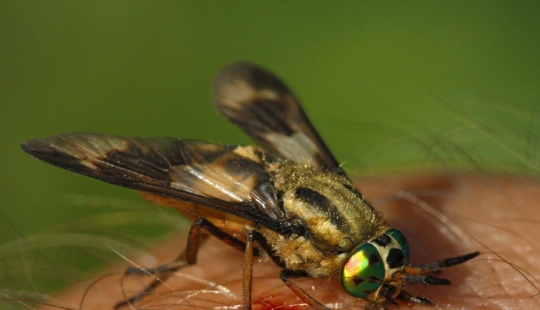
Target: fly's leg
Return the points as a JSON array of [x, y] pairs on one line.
[[285, 277], [248, 264], [285, 274], [187, 258], [436, 266], [247, 277], [419, 274]]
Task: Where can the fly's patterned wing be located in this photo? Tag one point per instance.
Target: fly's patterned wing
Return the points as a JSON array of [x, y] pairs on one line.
[[231, 179], [264, 108]]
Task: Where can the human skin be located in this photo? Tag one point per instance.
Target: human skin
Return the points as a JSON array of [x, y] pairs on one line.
[[443, 215]]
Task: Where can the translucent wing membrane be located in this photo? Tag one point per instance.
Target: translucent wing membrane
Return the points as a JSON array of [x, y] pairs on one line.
[[264, 108], [227, 178]]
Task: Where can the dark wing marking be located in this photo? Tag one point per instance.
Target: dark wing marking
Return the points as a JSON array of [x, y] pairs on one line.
[[263, 107], [230, 179]]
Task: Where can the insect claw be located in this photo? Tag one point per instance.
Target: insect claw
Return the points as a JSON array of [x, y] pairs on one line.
[[431, 280], [457, 260], [405, 296], [425, 301]]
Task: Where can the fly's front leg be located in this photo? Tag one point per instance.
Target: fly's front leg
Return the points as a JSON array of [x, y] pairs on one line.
[[285, 277], [187, 258], [420, 274]]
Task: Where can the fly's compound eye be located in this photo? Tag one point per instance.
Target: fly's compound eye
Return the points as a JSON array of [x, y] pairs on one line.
[[363, 272], [402, 241], [374, 262]]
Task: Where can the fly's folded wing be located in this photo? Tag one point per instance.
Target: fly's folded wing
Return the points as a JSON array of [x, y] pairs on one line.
[[230, 179]]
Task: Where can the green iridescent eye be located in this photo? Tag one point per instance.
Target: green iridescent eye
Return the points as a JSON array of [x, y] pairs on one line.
[[402, 241], [363, 272]]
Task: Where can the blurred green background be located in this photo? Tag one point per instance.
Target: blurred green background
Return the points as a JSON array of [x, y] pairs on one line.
[[390, 86]]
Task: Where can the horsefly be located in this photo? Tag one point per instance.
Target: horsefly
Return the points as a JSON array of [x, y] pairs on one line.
[[286, 199]]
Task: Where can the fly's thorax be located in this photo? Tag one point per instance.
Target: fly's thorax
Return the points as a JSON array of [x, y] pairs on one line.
[[336, 216], [372, 264]]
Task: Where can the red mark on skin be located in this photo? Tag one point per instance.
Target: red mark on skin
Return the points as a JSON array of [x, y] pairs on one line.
[[279, 302]]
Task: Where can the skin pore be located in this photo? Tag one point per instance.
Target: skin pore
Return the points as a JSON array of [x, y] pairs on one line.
[[443, 215]]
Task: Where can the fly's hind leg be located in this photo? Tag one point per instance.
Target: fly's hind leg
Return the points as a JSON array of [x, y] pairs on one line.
[[187, 258]]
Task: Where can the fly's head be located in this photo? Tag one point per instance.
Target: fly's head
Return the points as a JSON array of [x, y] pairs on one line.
[[368, 272], [378, 269]]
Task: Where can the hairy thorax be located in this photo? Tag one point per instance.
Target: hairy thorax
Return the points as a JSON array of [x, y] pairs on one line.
[[336, 216]]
